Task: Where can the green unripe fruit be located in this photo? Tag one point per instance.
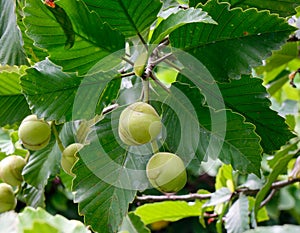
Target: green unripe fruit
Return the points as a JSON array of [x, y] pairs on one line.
[[34, 133], [11, 169], [69, 157], [139, 123], [7, 198], [166, 172]]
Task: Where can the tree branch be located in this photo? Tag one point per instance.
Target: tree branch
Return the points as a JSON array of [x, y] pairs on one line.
[[195, 196]]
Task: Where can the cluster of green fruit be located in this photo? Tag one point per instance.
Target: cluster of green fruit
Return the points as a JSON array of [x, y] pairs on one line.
[[139, 123], [35, 135]]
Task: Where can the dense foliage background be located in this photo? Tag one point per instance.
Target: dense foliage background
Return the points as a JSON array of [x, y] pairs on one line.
[[224, 77]]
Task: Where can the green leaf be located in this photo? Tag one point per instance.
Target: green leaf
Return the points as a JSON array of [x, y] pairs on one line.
[[133, 224], [277, 229], [220, 196], [177, 20], [283, 8], [287, 53], [30, 218], [90, 45], [278, 168], [9, 222], [6, 144], [42, 164], [168, 211], [32, 196], [221, 134], [237, 220], [11, 50], [244, 37], [103, 185], [130, 17], [52, 93], [224, 178], [41, 227], [12, 102], [254, 105]]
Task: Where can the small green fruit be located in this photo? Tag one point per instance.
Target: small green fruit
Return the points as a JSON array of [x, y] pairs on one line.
[[166, 172], [34, 133], [139, 123], [11, 169], [69, 157], [7, 198]]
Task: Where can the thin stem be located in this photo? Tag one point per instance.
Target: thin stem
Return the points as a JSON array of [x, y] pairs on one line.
[[127, 74], [154, 146], [146, 90], [153, 76], [161, 59], [59, 142], [128, 61], [173, 65]]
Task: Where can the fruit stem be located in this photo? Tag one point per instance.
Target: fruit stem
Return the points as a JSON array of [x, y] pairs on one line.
[[146, 90], [59, 142], [154, 146]]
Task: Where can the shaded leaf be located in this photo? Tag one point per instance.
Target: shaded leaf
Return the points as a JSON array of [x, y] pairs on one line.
[[204, 132], [12, 102], [32, 196], [52, 93], [244, 37], [42, 164], [177, 20], [103, 185], [283, 8], [237, 220], [11, 50], [6, 144], [130, 17], [133, 224], [90, 45], [254, 105], [168, 211]]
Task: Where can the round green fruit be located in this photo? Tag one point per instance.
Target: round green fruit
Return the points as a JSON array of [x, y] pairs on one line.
[[11, 169], [139, 123], [34, 133], [7, 198], [69, 157], [166, 172]]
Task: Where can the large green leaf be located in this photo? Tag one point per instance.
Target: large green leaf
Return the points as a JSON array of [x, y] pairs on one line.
[[44, 163], [52, 93], [41, 165], [168, 211], [29, 218], [93, 39], [254, 105], [278, 167], [12, 102], [133, 224], [104, 185], [11, 50], [244, 37], [128, 16], [284, 7], [219, 134], [237, 220], [177, 20]]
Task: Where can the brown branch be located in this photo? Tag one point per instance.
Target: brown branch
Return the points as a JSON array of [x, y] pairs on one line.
[[195, 196]]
